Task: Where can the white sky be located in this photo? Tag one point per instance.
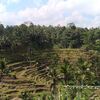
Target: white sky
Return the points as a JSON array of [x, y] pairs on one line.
[[84, 13]]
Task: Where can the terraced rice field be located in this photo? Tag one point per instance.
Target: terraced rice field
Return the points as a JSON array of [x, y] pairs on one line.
[[26, 78], [32, 76]]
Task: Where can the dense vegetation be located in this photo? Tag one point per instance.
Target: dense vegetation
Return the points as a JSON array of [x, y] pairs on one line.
[[43, 37], [47, 58]]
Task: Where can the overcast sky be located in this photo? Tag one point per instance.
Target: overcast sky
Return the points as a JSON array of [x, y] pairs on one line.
[[84, 13]]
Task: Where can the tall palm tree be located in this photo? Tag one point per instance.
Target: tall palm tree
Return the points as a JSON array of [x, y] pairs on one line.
[[65, 70], [54, 76], [2, 67]]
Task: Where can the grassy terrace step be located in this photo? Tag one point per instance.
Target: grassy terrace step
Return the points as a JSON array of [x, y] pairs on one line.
[[17, 64], [21, 81], [43, 74], [11, 91], [30, 71], [32, 66], [12, 86]]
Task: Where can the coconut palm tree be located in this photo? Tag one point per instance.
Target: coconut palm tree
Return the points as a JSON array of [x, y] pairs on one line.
[[65, 70], [2, 67]]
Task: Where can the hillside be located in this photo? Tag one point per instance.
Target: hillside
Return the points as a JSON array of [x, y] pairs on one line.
[[33, 76]]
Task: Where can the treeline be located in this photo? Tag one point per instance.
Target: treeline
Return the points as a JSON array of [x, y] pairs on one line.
[[48, 37]]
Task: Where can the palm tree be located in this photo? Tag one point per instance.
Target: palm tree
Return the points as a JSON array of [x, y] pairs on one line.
[[54, 76], [65, 71], [2, 67]]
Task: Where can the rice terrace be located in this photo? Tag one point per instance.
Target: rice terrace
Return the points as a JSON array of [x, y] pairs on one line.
[[49, 49], [39, 65]]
